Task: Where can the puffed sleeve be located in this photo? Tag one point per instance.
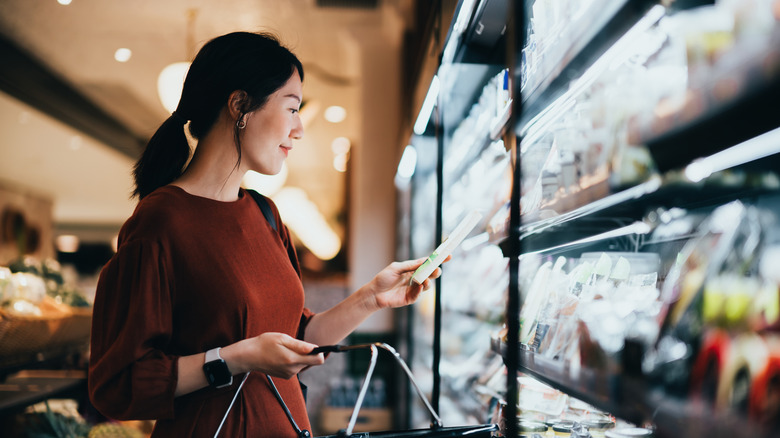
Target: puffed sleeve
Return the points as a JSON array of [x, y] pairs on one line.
[[129, 375]]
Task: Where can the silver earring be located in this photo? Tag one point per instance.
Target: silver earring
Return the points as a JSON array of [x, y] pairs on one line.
[[241, 123]]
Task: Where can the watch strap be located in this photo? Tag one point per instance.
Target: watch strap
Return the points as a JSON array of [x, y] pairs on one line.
[[213, 355]]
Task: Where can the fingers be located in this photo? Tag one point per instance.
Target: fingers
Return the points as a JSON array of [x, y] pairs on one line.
[[409, 265], [297, 345], [303, 350], [286, 356], [434, 275]]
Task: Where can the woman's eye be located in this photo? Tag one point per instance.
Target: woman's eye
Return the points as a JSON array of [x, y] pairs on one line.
[[294, 110]]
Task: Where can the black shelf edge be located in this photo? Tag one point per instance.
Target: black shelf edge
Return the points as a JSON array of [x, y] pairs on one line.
[[595, 45], [723, 125], [627, 206], [600, 206], [484, 40]]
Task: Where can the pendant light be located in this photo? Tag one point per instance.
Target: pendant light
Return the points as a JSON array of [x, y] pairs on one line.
[[171, 79]]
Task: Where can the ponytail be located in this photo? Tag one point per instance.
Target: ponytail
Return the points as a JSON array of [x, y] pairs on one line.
[[164, 158]]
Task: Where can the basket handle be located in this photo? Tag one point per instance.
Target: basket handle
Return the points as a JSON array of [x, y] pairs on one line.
[[364, 388]]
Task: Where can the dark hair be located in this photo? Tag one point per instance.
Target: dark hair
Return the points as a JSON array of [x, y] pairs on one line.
[[255, 63]]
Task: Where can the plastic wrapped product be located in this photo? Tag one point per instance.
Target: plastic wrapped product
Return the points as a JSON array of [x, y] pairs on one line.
[[598, 428], [765, 389], [629, 432], [445, 249]]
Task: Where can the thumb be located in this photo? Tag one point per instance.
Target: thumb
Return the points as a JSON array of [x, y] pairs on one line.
[[410, 265], [298, 346]]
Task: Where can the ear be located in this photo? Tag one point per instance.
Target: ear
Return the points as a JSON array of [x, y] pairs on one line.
[[237, 102]]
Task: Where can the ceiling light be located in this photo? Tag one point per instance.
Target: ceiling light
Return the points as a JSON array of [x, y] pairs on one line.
[[340, 162], [64, 2], [170, 83], [266, 184], [123, 54], [67, 243], [335, 114], [427, 107], [340, 145], [307, 222]]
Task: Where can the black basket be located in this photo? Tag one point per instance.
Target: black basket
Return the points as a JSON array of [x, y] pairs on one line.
[[437, 430], [480, 431]]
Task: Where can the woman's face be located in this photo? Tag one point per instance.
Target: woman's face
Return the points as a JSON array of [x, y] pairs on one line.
[[270, 130]]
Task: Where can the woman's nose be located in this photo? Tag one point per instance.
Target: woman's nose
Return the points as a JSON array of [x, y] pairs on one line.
[[297, 131]]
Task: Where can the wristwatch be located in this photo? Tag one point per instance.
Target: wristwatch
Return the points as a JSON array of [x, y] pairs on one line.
[[216, 370]]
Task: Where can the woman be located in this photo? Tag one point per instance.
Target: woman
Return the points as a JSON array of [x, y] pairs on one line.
[[202, 287]]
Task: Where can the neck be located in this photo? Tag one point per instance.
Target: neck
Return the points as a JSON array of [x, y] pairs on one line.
[[212, 172]]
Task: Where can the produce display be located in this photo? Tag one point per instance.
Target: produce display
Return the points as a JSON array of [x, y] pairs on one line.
[[39, 310]]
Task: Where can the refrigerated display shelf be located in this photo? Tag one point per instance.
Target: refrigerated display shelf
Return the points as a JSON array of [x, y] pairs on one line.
[[468, 403], [625, 208], [596, 38], [681, 418], [633, 399], [722, 125], [479, 316], [464, 83], [468, 160]]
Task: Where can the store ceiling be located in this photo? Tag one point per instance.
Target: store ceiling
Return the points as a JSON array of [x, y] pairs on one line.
[[77, 42]]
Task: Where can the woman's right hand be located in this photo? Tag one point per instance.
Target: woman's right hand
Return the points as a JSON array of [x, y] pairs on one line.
[[275, 354]]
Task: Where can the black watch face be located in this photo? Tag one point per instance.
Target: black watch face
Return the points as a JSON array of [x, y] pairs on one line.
[[217, 373]]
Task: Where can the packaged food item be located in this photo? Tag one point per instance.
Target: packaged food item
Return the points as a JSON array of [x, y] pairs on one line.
[[531, 427], [548, 314], [535, 397], [445, 249], [533, 301], [598, 428], [717, 296], [563, 428], [629, 432]]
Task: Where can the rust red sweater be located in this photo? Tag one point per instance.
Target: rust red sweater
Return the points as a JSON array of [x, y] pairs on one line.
[[192, 274]]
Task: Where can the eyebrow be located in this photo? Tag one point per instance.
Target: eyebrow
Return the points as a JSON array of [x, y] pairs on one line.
[[294, 96]]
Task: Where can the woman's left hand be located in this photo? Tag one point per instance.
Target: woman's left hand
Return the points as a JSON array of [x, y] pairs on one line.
[[393, 286]]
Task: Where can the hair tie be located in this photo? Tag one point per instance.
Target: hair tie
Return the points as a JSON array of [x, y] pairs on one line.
[[176, 115]]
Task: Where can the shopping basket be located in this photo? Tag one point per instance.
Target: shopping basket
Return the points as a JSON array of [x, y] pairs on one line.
[[437, 429]]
